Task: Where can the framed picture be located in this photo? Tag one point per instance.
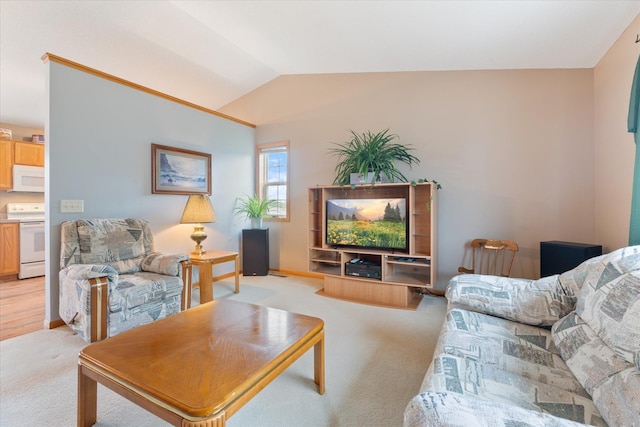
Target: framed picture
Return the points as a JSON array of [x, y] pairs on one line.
[[179, 171]]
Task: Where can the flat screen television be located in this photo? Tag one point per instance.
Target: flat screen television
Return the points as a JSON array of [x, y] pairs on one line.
[[379, 223]]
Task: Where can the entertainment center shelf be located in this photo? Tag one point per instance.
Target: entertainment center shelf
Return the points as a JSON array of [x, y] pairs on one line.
[[371, 275]]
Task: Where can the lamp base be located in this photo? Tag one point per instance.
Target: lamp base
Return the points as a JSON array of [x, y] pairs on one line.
[[198, 236], [198, 250]]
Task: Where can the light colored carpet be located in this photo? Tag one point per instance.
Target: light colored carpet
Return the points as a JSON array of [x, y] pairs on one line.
[[375, 360]]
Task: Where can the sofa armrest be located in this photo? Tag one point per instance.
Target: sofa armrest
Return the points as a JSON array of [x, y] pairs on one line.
[[169, 265], [539, 302], [439, 409]]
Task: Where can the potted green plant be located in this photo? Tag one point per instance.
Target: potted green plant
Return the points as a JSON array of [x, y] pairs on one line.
[[371, 157], [254, 208]]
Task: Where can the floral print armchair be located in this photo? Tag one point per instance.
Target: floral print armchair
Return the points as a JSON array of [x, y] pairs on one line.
[[111, 280]]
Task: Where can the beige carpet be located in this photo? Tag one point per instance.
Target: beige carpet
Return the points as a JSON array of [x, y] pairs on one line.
[[375, 361]]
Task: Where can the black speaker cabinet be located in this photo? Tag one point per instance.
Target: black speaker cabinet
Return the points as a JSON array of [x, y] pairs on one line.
[[255, 252], [558, 257]]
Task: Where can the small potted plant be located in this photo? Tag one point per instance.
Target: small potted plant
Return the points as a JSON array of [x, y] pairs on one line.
[[370, 157], [255, 208]]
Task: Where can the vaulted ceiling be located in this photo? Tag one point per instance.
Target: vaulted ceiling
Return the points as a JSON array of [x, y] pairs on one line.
[[212, 52]]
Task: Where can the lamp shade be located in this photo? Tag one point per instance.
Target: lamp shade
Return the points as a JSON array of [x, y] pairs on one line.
[[198, 210]]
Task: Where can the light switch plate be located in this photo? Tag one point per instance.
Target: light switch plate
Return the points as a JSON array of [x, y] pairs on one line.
[[71, 206]]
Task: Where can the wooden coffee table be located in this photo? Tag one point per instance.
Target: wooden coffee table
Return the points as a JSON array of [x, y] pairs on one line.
[[200, 366]]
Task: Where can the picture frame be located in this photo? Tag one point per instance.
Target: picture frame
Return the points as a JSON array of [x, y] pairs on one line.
[[179, 171]]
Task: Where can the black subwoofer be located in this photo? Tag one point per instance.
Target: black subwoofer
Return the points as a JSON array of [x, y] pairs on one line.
[[558, 257], [255, 252]]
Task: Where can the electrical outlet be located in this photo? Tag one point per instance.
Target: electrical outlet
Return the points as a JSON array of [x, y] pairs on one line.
[[71, 206]]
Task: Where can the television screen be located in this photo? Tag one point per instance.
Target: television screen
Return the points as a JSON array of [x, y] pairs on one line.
[[368, 223]]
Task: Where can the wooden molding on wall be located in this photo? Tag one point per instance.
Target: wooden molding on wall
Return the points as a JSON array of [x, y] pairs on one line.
[[54, 58], [298, 273], [53, 324]]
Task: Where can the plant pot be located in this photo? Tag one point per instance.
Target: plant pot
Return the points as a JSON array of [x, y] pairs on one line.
[[256, 223], [359, 178]]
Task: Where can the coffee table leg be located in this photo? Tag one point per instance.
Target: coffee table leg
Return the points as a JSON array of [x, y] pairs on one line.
[[318, 360], [87, 399], [219, 420]]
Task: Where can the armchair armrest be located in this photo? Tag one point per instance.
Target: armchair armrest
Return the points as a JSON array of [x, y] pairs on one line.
[[438, 409], [539, 302], [82, 273], [84, 290], [169, 265]]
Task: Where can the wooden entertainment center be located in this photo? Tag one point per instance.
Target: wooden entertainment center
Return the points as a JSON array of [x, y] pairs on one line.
[[400, 273]]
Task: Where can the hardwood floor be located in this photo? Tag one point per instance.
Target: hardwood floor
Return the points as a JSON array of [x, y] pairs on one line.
[[21, 307]]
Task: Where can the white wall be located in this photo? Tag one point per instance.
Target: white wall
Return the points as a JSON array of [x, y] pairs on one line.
[[513, 150], [614, 146], [99, 135]]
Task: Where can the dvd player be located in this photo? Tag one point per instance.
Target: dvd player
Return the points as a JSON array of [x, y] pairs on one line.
[[360, 268]]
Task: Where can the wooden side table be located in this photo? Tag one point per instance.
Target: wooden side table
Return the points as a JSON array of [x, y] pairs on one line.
[[205, 264]]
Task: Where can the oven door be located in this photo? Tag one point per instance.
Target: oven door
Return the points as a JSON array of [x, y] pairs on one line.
[[31, 242]]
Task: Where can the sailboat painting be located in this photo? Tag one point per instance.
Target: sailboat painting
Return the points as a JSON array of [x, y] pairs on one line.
[[180, 171]]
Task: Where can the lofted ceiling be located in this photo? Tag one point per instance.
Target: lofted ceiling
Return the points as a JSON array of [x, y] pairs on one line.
[[212, 52]]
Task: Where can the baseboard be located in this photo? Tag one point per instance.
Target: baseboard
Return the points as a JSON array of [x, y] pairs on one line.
[[8, 277], [298, 273], [53, 324]]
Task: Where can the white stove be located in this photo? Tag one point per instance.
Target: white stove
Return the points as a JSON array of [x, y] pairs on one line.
[[31, 217], [25, 212]]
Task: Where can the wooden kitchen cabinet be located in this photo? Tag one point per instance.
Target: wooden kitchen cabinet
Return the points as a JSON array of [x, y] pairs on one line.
[[6, 164], [28, 153], [17, 153], [9, 248]]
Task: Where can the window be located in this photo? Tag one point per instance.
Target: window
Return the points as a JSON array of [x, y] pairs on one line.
[[272, 172]]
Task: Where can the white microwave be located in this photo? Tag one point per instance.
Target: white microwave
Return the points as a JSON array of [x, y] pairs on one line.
[[28, 179]]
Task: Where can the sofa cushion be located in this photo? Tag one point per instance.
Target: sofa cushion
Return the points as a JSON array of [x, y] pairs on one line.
[[490, 382], [142, 298], [437, 409], [133, 290], [618, 398], [571, 281], [523, 350], [535, 302], [588, 357], [611, 305], [118, 243]]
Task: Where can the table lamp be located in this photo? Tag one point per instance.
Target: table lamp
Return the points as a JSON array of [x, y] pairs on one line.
[[197, 211]]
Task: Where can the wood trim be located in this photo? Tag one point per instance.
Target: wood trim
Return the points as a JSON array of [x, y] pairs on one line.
[[299, 273], [53, 324], [99, 290], [54, 58], [259, 177], [187, 275]]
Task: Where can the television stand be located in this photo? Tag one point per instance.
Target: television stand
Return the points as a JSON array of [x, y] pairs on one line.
[[397, 275]]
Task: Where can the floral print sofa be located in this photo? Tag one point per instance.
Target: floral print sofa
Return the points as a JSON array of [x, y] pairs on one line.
[[563, 350], [111, 280]]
